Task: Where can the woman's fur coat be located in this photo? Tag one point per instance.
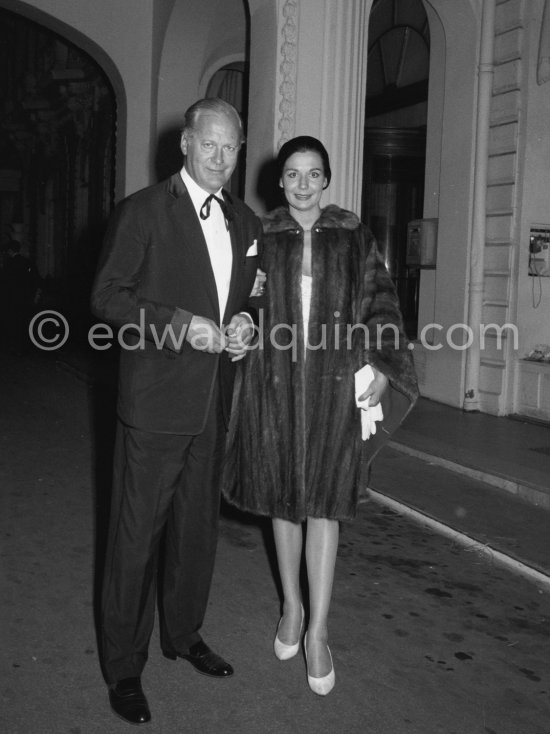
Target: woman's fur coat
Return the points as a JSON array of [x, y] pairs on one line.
[[294, 445]]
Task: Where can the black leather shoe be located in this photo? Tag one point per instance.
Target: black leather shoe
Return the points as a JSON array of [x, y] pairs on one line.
[[128, 701], [207, 662]]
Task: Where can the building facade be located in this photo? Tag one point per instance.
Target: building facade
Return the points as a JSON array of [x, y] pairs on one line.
[[479, 96]]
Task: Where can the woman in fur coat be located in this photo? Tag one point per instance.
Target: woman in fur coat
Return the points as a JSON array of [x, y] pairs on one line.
[[295, 446]]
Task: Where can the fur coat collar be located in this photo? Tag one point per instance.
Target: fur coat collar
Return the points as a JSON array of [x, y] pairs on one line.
[[332, 217]]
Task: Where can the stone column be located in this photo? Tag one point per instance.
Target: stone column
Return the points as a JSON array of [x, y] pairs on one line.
[[308, 76], [322, 78]]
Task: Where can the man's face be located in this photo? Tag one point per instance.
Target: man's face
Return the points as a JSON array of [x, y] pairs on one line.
[[211, 150]]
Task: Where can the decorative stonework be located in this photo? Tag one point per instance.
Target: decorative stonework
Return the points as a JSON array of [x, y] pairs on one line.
[[287, 71]]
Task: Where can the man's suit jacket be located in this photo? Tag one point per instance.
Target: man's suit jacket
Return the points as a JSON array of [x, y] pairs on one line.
[[155, 272]]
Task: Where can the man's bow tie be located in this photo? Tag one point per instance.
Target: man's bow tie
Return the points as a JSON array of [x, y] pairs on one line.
[[205, 208]]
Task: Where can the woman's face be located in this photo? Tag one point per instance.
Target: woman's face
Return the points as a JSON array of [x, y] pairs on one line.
[[303, 180]]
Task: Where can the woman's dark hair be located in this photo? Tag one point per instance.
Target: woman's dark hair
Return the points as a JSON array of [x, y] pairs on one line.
[[303, 144]]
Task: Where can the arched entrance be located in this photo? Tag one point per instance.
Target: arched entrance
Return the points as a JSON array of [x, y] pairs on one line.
[[395, 137], [204, 52], [57, 139]]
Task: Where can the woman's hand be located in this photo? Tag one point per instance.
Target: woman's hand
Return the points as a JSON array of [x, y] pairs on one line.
[[376, 389], [239, 333], [259, 284]]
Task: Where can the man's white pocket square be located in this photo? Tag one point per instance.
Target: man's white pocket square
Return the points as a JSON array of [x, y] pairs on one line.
[[253, 249]]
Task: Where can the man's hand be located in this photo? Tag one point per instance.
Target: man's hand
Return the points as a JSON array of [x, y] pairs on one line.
[[239, 333], [205, 336], [376, 389]]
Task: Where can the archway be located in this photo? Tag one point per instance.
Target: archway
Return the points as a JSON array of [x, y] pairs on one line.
[[57, 139], [395, 137], [202, 38]]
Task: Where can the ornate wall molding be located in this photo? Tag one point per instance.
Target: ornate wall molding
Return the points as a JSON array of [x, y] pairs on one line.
[[287, 70]]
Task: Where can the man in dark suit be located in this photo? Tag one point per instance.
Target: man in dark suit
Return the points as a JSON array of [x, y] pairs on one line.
[[176, 271]]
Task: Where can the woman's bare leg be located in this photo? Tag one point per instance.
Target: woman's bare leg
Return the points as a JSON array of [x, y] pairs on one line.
[[321, 549], [288, 543]]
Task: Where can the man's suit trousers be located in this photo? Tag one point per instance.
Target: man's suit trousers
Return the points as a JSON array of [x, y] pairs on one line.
[[164, 517]]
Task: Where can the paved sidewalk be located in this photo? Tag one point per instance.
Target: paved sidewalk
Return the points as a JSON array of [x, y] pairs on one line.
[[485, 477], [426, 636], [508, 453]]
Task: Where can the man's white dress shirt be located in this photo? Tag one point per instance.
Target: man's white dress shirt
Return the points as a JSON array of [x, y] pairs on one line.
[[217, 238]]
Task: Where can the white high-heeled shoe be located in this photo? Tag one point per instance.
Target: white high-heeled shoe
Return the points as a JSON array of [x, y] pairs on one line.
[[324, 685], [281, 649]]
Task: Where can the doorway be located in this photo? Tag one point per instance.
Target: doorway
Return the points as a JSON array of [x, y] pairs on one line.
[[395, 138], [57, 139]]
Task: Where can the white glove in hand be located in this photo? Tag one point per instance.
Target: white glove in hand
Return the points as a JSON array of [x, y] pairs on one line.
[[369, 413]]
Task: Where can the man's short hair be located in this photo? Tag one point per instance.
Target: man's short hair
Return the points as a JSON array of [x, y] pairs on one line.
[[211, 104]]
